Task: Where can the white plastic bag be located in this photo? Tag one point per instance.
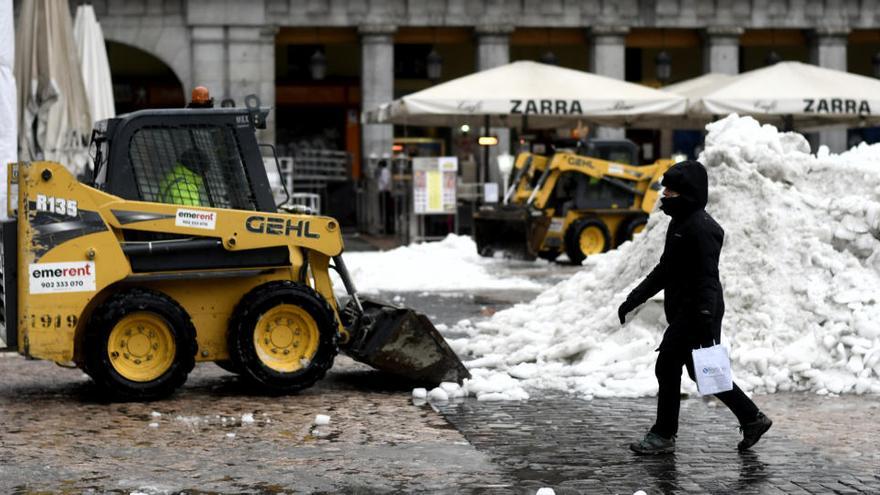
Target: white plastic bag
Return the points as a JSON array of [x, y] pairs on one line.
[[712, 370]]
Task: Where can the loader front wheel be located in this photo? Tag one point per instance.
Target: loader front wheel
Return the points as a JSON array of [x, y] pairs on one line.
[[283, 336], [140, 346], [586, 237], [549, 255]]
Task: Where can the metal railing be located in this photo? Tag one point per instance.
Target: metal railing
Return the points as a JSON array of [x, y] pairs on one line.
[[308, 173]]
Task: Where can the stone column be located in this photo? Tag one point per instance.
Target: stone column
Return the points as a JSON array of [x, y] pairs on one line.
[[251, 70], [493, 50], [377, 87], [720, 56], [828, 49], [721, 50], [209, 66], [608, 58]]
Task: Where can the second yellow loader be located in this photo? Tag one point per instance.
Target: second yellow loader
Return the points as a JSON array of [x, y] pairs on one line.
[[569, 203]]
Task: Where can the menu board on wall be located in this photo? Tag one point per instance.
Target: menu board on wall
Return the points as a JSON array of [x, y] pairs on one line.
[[434, 181]]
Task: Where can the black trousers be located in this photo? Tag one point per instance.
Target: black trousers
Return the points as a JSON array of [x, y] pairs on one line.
[[668, 371]]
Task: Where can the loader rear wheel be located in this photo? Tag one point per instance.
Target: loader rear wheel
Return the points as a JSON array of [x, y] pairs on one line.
[[140, 346], [586, 237], [283, 336], [631, 227]]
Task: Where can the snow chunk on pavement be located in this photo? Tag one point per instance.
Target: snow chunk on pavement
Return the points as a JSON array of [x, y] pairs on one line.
[[452, 389], [322, 420], [800, 269], [438, 395], [247, 418], [419, 393], [545, 491]]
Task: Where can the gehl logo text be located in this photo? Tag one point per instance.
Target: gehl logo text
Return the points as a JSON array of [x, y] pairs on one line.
[[279, 226]]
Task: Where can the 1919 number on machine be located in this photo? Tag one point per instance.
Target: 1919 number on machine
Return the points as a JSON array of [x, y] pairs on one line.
[[48, 320], [60, 206]]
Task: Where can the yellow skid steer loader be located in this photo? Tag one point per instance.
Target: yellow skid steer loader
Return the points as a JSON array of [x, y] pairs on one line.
[[176, 254], [570, 204]]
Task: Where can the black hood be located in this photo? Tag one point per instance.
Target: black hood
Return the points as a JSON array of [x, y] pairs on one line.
[[689, 180]]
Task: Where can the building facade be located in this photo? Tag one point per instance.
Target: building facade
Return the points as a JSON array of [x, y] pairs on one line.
[[321, 62]]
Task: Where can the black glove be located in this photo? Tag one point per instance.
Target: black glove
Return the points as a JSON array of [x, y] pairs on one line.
[[625, 308], [704, 320]]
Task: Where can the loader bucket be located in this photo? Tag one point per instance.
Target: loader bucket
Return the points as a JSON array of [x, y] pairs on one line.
[[403, 342], [514, 230]]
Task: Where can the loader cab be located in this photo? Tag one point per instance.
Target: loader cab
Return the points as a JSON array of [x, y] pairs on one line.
[[136, 154], [576, 191], [613, 150]]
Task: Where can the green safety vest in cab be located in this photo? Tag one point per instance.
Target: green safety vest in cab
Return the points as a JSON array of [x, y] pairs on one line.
[[183, 187]]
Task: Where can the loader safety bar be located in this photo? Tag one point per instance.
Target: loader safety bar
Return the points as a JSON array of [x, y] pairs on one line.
[[622, 185]]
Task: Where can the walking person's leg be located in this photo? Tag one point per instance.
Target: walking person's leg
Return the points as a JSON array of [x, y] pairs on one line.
[[661, 438], [668, 372], [752, 421]]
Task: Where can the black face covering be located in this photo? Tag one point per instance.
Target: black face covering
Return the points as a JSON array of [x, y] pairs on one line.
[[689, 180], [678, 206]]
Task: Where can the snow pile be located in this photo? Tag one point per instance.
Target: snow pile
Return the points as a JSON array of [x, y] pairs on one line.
[[449, 265], [800, 270]]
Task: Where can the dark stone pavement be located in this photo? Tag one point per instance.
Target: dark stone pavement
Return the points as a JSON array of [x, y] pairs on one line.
[[577, 446], [57, 437]]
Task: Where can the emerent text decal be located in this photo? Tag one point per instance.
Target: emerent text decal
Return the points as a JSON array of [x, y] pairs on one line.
[[197, 219], [49, 278]]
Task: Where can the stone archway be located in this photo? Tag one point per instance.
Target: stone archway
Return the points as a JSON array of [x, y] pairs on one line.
[[168, 43], [141, 80]]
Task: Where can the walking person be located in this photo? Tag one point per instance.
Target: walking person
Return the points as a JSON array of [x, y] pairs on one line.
[[693, 303], [383, 184]]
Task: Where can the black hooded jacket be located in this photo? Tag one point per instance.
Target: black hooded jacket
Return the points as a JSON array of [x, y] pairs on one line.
[[688, 268]]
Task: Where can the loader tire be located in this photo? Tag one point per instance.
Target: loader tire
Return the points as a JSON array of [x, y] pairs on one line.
[[140, 345], [283, 337], [631, 227], [586, 237], [548, 255], [228, 365]]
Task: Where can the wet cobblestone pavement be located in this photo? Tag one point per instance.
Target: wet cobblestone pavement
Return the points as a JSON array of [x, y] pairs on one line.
[[57, 436], [817, 445]]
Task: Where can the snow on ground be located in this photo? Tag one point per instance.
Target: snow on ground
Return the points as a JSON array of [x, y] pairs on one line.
[[800, 270], [449, 265]]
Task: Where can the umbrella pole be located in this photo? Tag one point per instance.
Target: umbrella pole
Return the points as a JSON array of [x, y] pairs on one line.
[[788, 123], [485, 168]]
